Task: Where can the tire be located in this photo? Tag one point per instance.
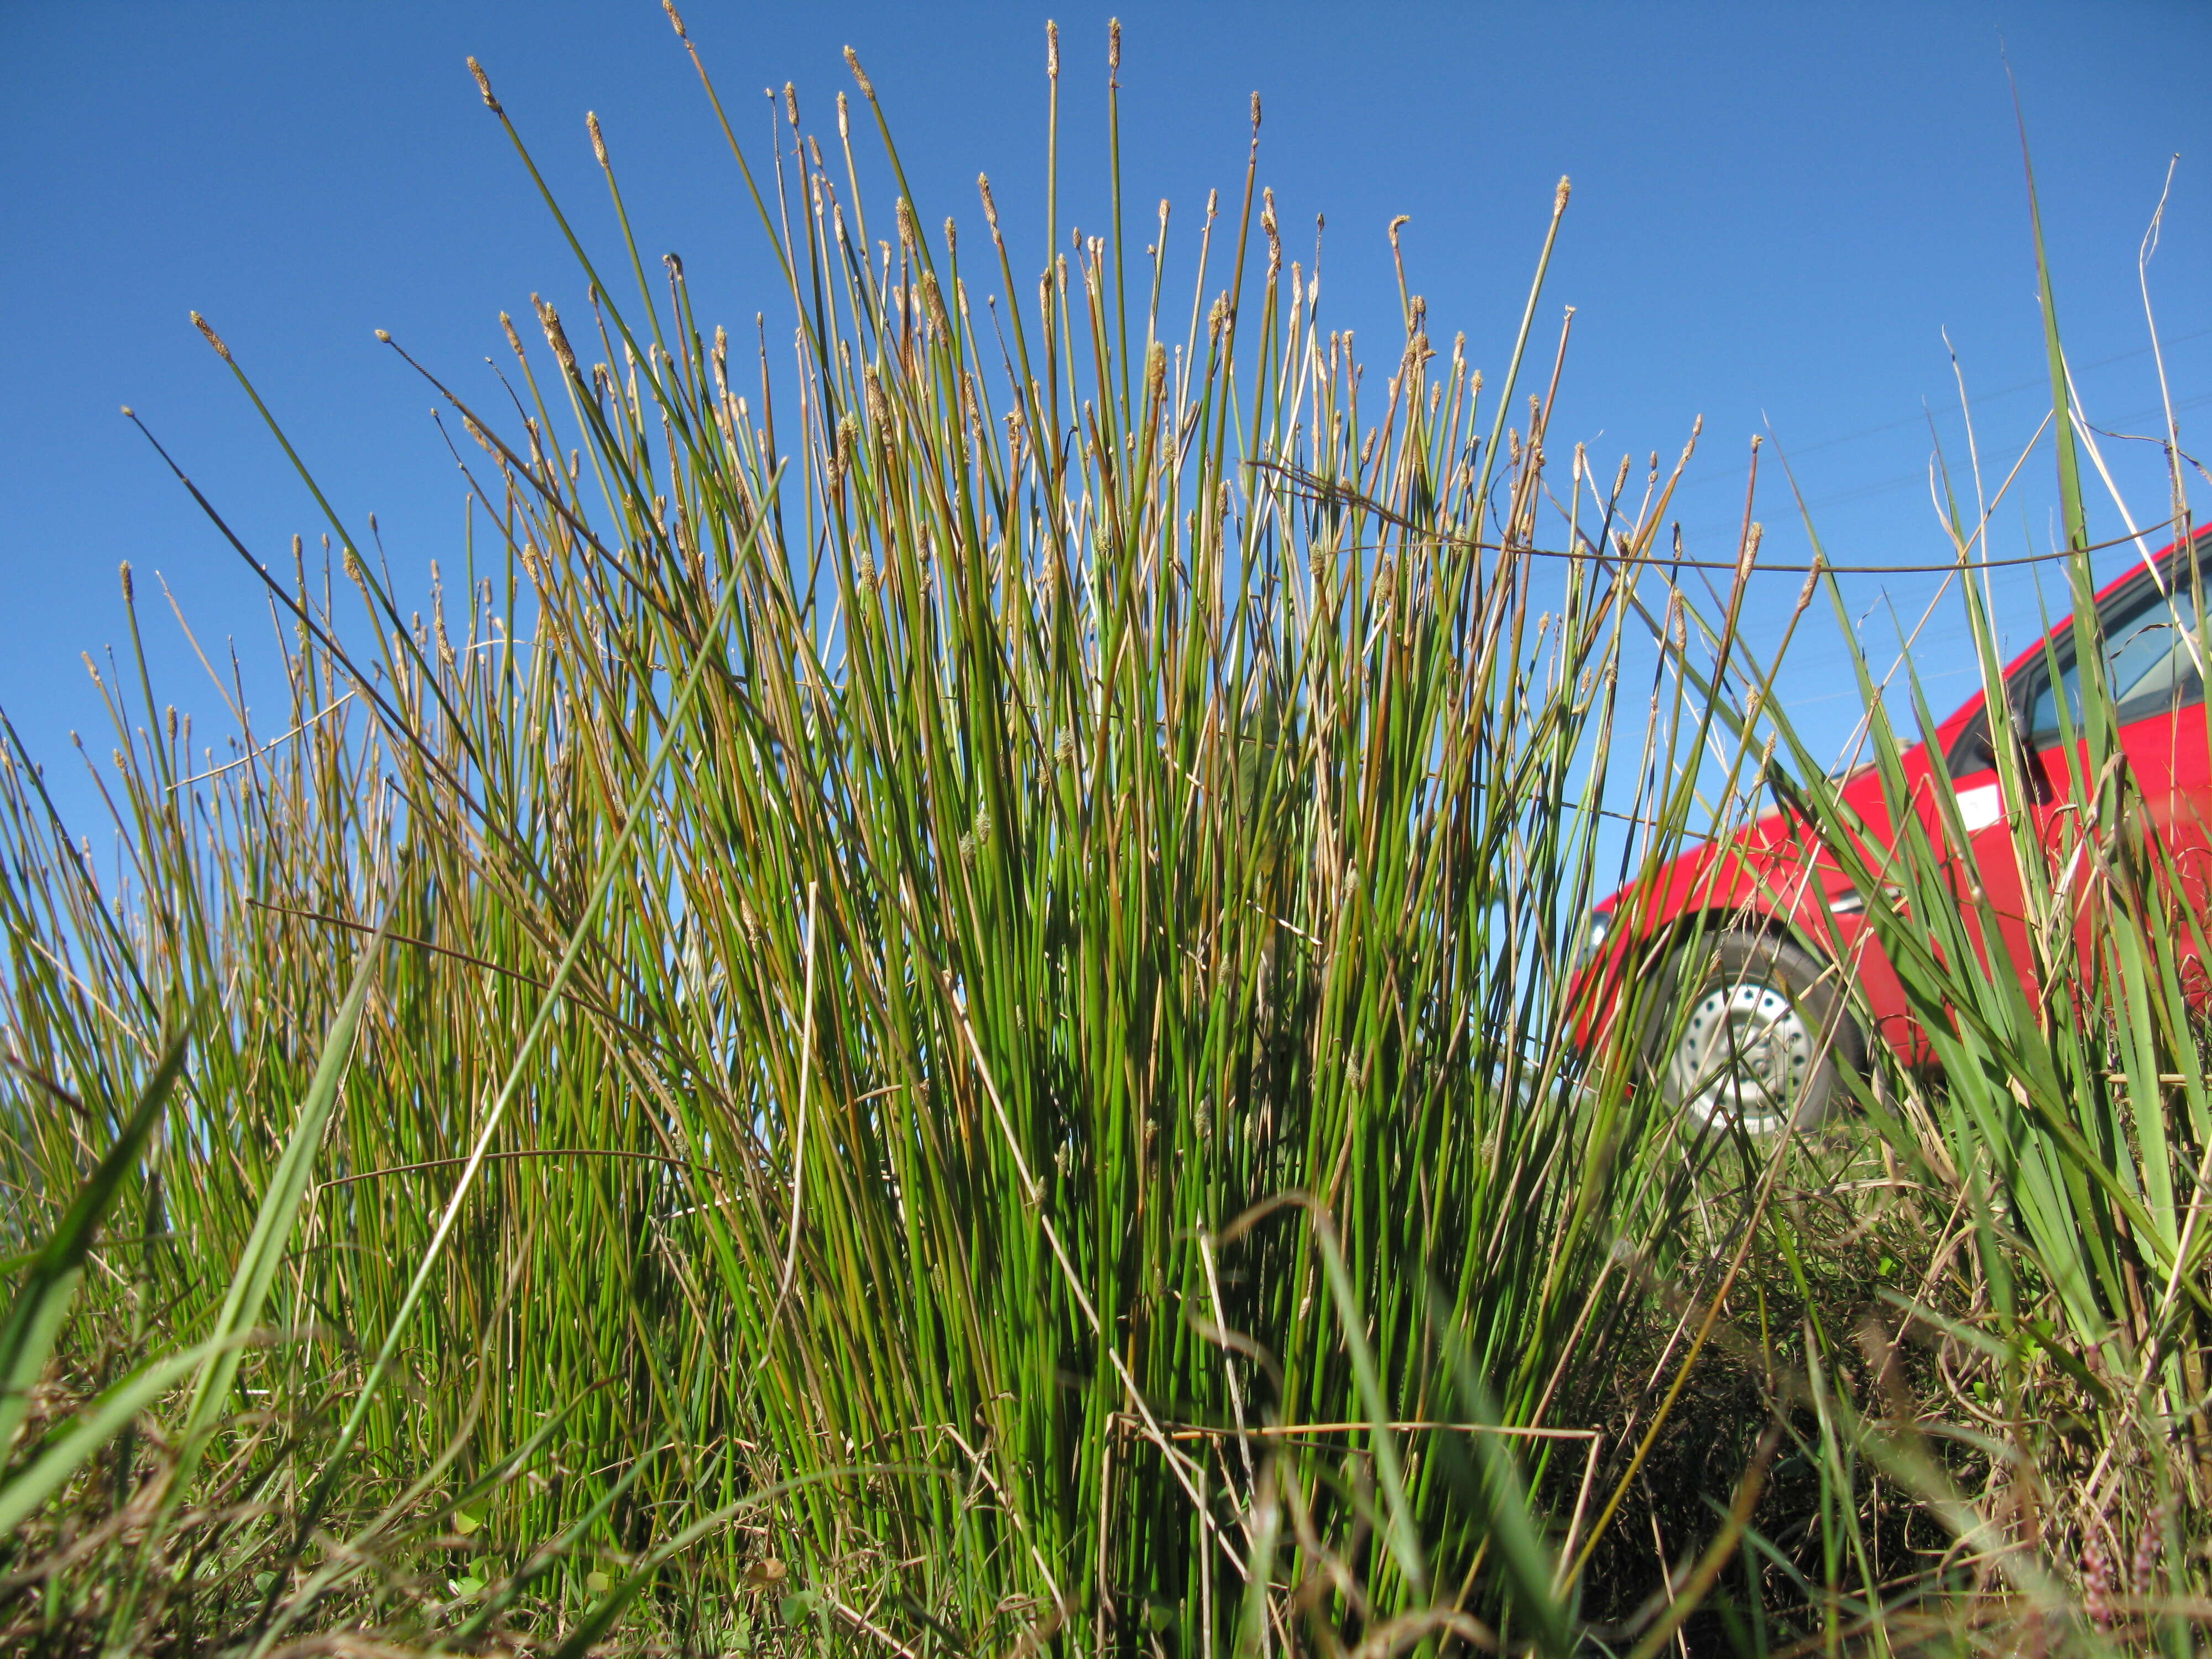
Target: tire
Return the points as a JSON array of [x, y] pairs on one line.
[[1751, 1032]]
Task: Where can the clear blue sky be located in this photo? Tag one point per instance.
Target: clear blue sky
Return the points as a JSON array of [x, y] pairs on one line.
[[1776, 210]]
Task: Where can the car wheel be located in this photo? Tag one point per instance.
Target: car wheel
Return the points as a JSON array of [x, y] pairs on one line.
[[1752, 1032]]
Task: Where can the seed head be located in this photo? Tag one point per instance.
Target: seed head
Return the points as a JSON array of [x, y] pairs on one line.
[[790, 102], [549, 320], [2096, 1583], [598, 139], [384, 336], [852, 62], [1052, 49], [990, 207], [484, 85], [126, 582], [213, 338], [1559, 199], [1256, 112], [1113, 43], [675, 17], [2143, 1567], [513, 340], [674, 263], [1749, 556], [128, 413]]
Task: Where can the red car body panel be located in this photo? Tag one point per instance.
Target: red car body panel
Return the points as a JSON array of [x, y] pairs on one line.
[[1773, 874]]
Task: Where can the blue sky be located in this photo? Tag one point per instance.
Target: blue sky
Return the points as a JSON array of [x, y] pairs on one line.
[[1777, 211]]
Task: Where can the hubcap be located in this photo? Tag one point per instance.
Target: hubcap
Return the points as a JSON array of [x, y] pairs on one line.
[[1744, 1059]]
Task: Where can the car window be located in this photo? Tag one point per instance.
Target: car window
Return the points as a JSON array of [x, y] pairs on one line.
[[2152, 646], [2150, 650]]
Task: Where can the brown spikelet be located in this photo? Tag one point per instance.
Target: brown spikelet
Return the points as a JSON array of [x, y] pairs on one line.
[[549, 320], [1256, 112], [513, 340], [934, 298], [598, 138], [2143, 1566], [213, 338], [791, 103], [1052, 49], [2097, 1583], [1113, 44], [484, 85], [1560, 197], [990, 207], [676, 18], [127, 596], [852, 62]]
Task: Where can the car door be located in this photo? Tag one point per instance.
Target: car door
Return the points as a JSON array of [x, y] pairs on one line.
[[2154, 650], [1988, 870], [2154, 679]]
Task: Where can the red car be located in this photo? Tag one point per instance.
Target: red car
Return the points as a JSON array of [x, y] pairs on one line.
[[1764, 989]]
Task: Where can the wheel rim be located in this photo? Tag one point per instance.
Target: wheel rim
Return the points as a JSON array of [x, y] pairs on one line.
[[1743, 1061]]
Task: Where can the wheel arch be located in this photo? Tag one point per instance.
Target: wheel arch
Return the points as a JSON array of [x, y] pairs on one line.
[[1712, 921]]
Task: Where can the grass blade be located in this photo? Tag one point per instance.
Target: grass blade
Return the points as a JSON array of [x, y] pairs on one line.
[[43, 1300]]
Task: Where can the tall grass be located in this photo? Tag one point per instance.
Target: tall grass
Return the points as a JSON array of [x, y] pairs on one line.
[[960, 1040], [977, 941], [2069, 1139]]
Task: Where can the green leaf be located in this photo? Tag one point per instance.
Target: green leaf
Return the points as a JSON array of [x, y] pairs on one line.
[[250, 1281], [272, 1223], [43, 1302], [1530, 1566], [65, 1452]]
